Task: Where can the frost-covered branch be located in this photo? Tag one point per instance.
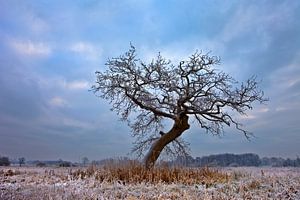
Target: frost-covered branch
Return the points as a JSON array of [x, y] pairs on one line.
[[145, 94]]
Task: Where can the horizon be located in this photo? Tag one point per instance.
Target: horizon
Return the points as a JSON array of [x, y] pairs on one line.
[[51, 50], [125, 157]]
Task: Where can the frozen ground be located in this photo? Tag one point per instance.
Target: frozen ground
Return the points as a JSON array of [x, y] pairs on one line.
[[59, 183]]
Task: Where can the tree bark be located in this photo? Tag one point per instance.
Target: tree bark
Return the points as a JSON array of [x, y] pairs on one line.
[[180, 125]]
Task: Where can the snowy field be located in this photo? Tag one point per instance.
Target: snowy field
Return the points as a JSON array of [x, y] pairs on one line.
[[61, 183]]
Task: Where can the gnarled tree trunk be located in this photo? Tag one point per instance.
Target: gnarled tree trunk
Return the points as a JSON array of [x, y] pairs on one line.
[[180, 125]]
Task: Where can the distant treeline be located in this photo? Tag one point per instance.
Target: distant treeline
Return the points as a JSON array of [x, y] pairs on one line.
[[235, 160], [221, 160], [5, 161]]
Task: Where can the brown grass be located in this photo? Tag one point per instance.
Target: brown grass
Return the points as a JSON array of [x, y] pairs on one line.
[[9, 172], [134, 172]]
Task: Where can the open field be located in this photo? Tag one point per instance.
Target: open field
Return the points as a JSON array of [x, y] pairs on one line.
[[135, 183]]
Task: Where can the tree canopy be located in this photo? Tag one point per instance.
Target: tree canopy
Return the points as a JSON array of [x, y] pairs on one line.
[[145, 94]]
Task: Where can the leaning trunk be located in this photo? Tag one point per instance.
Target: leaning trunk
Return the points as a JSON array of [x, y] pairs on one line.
[[180, 125]]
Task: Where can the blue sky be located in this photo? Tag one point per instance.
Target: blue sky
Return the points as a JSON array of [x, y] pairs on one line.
[[49, 51]]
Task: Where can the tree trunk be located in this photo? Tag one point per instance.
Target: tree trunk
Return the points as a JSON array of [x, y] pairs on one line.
[[180, 125]]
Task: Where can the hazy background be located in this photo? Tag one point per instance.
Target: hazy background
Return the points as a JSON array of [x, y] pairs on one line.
[[49, 51]]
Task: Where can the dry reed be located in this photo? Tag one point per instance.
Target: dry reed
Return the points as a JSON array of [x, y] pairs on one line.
[[134, 172]]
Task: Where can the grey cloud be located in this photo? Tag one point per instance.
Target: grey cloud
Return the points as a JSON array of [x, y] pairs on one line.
[[31, 127], [20, 96], [267, 39]]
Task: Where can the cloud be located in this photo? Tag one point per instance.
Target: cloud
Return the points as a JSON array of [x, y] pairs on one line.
[[30, 48], [260, 19], [58, 102], [36, 24], [73, 85], [77, 85], [287, 76], [86, 49], [77, 123], [60, 84], [247, 117], [263, 32]]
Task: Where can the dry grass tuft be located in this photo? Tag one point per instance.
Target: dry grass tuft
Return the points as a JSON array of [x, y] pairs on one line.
[[9, 172], [133, 172], [255, 184]]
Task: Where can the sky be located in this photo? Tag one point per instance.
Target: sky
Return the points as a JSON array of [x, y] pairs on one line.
[[50, 50]]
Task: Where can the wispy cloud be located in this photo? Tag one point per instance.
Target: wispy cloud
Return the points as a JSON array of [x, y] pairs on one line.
[[60, 83], [30, 48], [58, 102], [287, 76], [258, 20], [77, 85], [86, 49], [77, 123], [34, 23]]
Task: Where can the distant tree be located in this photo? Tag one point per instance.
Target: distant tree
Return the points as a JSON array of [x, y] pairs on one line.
[[95, 162], [4, 161], [85, 161], [249, 159], [297, 161], [41, 164], [289, 163], [65, 164], [160, 90], [21, 161]]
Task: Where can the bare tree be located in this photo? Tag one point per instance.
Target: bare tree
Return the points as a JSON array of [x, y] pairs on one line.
[[21, 161], [146, 94], [85, 161]]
